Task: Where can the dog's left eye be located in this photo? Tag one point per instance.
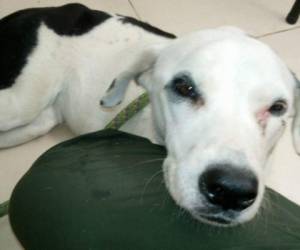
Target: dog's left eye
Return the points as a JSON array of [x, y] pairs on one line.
[[185, 88], [278, 108]]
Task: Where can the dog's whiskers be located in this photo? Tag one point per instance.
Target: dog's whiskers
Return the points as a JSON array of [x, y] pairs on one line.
[[149, 181], [148, 161]]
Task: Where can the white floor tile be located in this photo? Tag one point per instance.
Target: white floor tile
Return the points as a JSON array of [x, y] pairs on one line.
[[287, 45], [114, 6], [257, 17], [7, 239], [284, 173]]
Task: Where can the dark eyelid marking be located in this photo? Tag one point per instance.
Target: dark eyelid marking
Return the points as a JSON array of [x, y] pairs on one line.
[[280, 99], [185, 76], [278, 107]]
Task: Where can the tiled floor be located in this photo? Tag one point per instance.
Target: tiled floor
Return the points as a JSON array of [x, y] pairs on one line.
[[261, 18]]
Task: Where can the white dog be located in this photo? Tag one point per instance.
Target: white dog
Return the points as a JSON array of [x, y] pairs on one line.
[[220, 99]]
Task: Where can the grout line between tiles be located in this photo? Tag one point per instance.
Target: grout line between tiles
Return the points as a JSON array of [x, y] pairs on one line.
[[258, 37], [134, 9], [277, 32]]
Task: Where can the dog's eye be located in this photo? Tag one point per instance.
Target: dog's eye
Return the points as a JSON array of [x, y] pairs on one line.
[[185, 88], [278, 108]]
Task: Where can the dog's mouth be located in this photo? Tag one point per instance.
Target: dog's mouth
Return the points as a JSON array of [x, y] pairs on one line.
[[216, 218]]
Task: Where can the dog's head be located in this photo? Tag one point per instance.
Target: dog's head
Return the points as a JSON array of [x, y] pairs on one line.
[[221, 100]]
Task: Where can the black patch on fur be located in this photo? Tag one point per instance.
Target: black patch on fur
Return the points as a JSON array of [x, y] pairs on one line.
[[17, 39], [18, 33], [146, 26], [113, 84], [74, 19]]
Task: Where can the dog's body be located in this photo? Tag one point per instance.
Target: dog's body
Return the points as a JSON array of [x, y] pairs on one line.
[[57, 63], [220, 99]]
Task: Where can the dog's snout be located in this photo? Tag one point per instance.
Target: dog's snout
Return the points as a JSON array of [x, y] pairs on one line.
[[229, 187]]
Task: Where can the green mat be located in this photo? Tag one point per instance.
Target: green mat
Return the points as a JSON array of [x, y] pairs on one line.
[[105, 191]]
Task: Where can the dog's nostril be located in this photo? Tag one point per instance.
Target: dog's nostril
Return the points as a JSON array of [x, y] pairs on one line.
[[229, 187]]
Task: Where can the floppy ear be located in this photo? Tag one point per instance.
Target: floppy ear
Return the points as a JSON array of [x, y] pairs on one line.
[[296, 122], [143, 63]]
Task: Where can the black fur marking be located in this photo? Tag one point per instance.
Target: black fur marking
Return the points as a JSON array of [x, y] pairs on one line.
[[17, 39], [146, 26], [74, 19], [18, 33], [113, 84]]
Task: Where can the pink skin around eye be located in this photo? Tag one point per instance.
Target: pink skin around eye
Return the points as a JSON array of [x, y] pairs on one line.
[[262, 117]]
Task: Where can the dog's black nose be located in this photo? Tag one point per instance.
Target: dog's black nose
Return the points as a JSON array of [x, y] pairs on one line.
[[229, 187]]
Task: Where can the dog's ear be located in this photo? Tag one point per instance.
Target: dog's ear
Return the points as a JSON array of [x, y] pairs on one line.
[[296, 122], [141, 66]]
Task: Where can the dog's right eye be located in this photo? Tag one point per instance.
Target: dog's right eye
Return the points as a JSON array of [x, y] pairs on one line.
[[184, 87]]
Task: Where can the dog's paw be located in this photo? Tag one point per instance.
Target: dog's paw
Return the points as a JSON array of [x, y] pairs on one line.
[[116, 92]]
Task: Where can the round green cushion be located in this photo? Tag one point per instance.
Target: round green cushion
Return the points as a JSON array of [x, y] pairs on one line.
[[106, 191]]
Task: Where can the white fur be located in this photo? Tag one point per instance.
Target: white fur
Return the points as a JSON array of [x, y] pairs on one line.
[[238, 77], [66, 77]]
